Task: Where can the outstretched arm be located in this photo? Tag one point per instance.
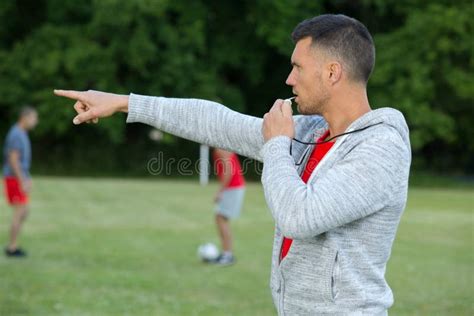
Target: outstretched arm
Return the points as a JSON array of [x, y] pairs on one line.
[[202, 121]]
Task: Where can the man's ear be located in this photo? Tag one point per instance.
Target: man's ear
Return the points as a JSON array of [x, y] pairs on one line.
[[334, 70]]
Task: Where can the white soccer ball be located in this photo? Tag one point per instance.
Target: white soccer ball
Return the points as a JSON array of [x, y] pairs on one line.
[[208, 252]]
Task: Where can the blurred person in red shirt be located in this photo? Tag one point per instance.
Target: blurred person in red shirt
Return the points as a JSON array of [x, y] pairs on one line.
[[229, 200]]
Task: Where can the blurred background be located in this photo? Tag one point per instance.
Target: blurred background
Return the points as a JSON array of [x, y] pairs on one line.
[[95, 245], [234, 52]]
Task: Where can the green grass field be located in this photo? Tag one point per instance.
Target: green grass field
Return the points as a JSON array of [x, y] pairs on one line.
[[128, 247]]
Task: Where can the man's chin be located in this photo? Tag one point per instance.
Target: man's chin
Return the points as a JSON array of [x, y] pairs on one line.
[[302, 109], [305, 111]]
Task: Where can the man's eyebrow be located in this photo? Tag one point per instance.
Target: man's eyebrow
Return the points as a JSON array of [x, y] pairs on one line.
[[294, 63]]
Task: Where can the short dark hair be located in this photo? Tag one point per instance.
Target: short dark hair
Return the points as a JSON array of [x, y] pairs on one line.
[[344, 37], [26, 110]]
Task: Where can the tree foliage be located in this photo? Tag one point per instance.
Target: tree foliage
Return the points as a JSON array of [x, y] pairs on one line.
[[234, 52]]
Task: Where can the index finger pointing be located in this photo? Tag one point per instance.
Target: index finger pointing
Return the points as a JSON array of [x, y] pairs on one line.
[[71, 94]]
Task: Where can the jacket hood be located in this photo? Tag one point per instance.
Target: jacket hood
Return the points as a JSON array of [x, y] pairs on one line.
[[387, 116]]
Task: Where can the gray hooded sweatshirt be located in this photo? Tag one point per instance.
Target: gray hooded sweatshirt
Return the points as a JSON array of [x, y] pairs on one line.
[[343, 221]]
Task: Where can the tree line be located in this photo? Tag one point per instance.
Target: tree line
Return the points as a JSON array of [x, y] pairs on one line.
[[233, 52]]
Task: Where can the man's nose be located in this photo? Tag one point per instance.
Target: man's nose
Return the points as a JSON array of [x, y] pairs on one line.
[[290, 80]]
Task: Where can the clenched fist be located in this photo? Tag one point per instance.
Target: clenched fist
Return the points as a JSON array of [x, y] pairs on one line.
[[278, 121]]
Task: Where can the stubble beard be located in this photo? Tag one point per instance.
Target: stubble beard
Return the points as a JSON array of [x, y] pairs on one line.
[[316, 106]]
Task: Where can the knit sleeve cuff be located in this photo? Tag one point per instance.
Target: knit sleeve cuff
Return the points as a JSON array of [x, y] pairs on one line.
[[142, 109]]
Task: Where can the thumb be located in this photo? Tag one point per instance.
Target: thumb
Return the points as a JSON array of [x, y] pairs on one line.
[[286, 108], [84, 117]]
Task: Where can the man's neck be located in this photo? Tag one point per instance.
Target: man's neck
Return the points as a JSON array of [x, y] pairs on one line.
[[342, 111]]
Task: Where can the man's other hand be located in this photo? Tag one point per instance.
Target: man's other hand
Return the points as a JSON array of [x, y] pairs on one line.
[[278, 121]]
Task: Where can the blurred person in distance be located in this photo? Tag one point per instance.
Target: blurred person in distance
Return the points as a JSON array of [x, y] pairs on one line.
[[16, 173], [228, 200]]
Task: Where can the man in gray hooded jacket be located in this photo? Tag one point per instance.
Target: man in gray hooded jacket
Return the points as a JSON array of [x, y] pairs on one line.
[[343, 218]]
